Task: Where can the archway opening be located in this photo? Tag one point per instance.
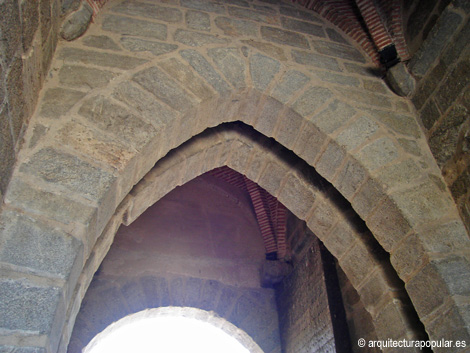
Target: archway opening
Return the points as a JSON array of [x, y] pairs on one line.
[[171, 330]]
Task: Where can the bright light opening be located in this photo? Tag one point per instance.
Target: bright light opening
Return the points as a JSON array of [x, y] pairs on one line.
[[145, 332]]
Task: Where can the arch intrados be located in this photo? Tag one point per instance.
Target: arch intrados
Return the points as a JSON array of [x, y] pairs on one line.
[[174, 170]]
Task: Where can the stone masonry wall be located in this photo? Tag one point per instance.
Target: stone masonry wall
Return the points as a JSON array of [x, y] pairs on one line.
[[28, 38], [304, 312], [442, 97]]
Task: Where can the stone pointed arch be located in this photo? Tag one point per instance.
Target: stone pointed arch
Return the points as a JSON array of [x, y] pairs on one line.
[[127, 101]]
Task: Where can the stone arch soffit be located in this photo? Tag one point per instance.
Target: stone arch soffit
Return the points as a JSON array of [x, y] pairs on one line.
[[300, 188], [200, 315]]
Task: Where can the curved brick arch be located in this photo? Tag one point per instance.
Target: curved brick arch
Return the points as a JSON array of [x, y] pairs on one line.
[[126, 100]]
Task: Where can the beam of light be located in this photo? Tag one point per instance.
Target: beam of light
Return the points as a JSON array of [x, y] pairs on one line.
[[165, 334]]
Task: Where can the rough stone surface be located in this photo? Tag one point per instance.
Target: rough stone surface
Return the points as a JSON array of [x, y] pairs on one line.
[[130, 26], [401, 80], [77, 22], [37, 247], [275, 52], [204, 6], [69, 172], [101, 41], [100, 59], [236, 27], [378, 153], [196, 39], [334, 116], [311, 100], [338, 51], [262, 70], [156, 48], [27, 307], [303, 27], [84, 77], [111, 117], [290, 83], [58, 101], [183, 73], [205, 70], [198, 20], [153, 11], [230, 62], [315, 60], [156, 82], [357, 133], [284, 37]]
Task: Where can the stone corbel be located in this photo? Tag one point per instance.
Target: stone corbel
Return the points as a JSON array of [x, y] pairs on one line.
[[76, 23]]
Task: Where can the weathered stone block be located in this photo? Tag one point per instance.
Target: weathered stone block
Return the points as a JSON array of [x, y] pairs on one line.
[[10, 29], [204, 6], [337, 114], [430, 114], [130, 26], [367, 198], [315, 60], [197, 39], [378, 153], [15, 88], [403, 124], [341, 237], [435, 43], [303, 27], [100, 59], [437, 281], [181, 72], [311, 100], [400, 174], [13, 349], [291, 82], [165, 89], [205, 70], [250, 14], [350, 178], [153, 11], [358, 263], [268, 117], [424, 203], [111, 117], [69, 172], [309, 143], [357, 133], [338, 50], [146, 104], [197, 20], [322, 218], [45, 13], [37, 247], [400, 80], [230, 62], [455, 83], [26, 307], [300, 14], [263, 70], [284, 37], [235, 27], [330, 160], [273, 51], [297, 190], [77, 22], [84, 77], [272, 177], [7, 151], [48, 204], [101, 42], [29, 11], [289, 128], [156, 48], [335, 36], [337, 78], [387, 222]]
